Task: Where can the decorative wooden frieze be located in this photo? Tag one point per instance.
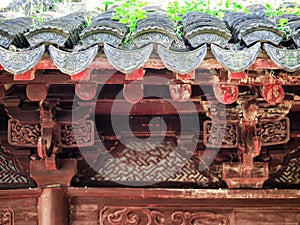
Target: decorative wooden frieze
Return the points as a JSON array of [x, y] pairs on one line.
[[114, 215], [228, 133], [150, 162], [236, 61], [288, 59], [250, 36], [23, 134], [182, 62], [71, 134], [204, 35], [20, 62], [72, 62], [271, 132], [6, 216], [290, 175], [77, 134], [10, 173], [236, 176], [127, 61]]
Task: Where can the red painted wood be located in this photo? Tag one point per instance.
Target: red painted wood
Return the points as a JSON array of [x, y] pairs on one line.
[[29, 75], [237, 75], [82, 76], [186, 76], [135, 75]]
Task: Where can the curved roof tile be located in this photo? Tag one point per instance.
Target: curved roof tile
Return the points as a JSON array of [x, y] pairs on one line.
[[20, 62], [236, 61], [72, 62], [127, 61], [182, 62]]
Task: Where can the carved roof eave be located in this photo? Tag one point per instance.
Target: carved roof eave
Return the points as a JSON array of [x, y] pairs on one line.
[[182, 62], [20, 62], [236, 61], [72, 62], [284, 58], [128, 61]]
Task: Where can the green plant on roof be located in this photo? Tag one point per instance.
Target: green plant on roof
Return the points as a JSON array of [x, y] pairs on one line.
[[176, 12], [129, 12]]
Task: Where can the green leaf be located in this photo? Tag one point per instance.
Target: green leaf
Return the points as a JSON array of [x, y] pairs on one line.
[[124, 20]]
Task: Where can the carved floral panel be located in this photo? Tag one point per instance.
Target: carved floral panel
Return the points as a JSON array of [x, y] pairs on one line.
[[114, 215], [6, 216]]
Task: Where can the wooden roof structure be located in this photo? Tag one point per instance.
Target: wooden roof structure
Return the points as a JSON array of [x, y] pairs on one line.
[[202, 131]]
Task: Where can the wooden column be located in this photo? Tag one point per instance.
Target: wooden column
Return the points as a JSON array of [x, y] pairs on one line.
[[53, 207]]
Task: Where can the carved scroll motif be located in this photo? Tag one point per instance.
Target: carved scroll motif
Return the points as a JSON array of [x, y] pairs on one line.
[[289, 59], [77, 134], [20, 62], [71, 134], [271, 132], [127, 61], [158, 216], [20, 134], [72, 62], [182, 62], [236, 61], [6, 216], [214, 132]]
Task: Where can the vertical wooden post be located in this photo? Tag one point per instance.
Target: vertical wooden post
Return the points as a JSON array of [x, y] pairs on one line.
[[53, 208]]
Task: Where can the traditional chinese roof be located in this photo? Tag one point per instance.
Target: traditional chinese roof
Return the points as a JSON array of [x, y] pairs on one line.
[[235, 43]]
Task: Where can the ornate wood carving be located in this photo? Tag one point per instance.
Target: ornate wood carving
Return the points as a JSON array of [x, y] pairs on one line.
[[182, 62], [236, 61], [149, 163], [251, 37], [289, 59], [213, 133], [291, 173], [23, 134], [71, 134], [271, 132], [6, 216], [127, 61], [77, 134], [10, 172], [20, 62], [114, 215], [287, 173], [72, 62]]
